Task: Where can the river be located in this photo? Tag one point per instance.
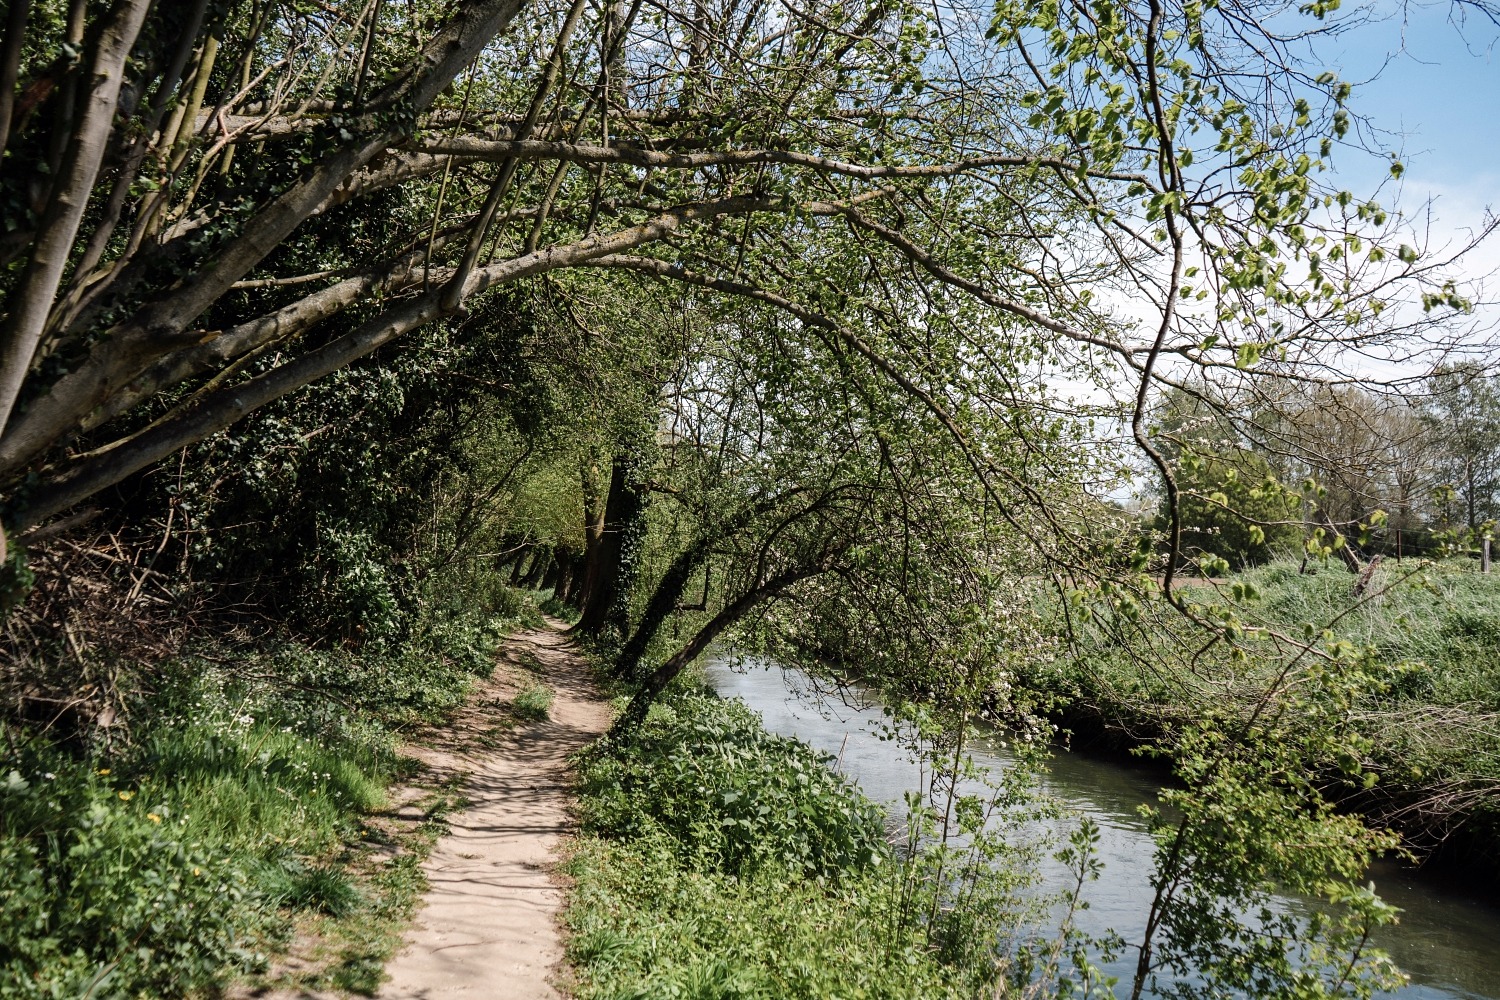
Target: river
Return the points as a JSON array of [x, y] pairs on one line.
[[1448, 940]]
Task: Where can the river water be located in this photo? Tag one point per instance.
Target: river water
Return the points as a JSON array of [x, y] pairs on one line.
[[1448, 940]]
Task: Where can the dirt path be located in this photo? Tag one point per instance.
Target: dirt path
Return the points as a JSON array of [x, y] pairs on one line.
[[487, 928]]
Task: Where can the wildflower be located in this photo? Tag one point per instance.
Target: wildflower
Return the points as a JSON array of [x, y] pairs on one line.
[[126, 796], [153, 817], [103, 770], [49, 775]]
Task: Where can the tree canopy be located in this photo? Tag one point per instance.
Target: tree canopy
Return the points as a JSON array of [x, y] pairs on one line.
[[212, 205]]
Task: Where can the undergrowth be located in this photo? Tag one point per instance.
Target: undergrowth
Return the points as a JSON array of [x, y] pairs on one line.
[[242, 802], [719, 860]]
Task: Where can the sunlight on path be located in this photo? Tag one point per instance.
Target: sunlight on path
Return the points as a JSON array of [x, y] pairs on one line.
[[487, 928]]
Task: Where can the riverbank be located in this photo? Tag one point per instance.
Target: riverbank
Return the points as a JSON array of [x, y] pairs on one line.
[[1422, 647], [720, 860], [1444, 938]]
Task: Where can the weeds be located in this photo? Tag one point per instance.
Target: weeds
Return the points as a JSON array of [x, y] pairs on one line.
[[533, 703], [241, 807], [723, 861]]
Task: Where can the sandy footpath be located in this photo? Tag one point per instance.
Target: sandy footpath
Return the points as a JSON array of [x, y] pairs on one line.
[[487, 929]]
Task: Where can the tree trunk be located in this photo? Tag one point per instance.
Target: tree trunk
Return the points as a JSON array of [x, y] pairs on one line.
[[539, 567], [668, 595], [518, 568], [635, 712], [157, 330], [573, 581], [556, 567], [616, 557], [593, 536], [665, 599], [32, 300], [566, 563], [10, 59]]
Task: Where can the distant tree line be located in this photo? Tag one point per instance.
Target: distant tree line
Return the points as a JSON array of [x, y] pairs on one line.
[[1394, 473]]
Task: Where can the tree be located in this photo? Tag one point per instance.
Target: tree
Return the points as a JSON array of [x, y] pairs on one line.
[[903, 220], [160, 245], [1234, 507], [1463, 412], [1231, 503]]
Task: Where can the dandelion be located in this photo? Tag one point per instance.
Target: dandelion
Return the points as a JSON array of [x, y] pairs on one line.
[[153, 817], [126, 796]]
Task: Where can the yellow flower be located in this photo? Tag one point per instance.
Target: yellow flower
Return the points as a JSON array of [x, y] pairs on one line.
[[126, 796], [103, 770], [197, 872], [153, 817]]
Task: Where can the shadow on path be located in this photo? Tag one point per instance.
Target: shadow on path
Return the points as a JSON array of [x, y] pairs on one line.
[[487, 928]]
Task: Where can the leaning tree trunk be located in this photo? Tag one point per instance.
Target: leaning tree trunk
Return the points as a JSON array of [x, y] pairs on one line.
[[518, 568], [668, 594], [1346, 552], [665, 599], [31, 302], [653, 685], [572, 583], [557, 568]]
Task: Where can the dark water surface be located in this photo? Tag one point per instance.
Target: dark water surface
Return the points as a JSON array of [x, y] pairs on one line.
[[1448, 941]]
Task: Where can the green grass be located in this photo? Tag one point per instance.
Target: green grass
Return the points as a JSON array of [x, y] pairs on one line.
[[533, 703], [350, 949], [1446, 617], [721, 861], [643, 926], [292, 883], [557, 609], [1421, 652], [241, 814]]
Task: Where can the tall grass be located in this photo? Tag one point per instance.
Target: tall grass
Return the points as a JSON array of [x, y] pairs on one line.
[[1425, 719], [1444, 619]]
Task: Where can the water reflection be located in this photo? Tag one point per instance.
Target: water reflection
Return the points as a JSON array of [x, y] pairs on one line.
[[1447, 942]]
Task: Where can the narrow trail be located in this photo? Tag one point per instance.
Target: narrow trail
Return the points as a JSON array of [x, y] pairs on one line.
[[487, 929]]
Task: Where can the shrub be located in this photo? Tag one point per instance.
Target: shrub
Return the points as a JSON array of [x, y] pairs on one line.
[[728, 862], [558, 609], [728, 794], [121, 898], [157, 867]]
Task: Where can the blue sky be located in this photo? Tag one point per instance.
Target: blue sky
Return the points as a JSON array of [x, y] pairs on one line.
[[1439, 96]]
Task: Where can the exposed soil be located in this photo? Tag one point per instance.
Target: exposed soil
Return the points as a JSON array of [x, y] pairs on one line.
[[487, 928]]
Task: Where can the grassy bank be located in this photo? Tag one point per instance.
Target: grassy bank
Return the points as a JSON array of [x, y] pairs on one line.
[[721, 861], [1427, 716], [236, 806]]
